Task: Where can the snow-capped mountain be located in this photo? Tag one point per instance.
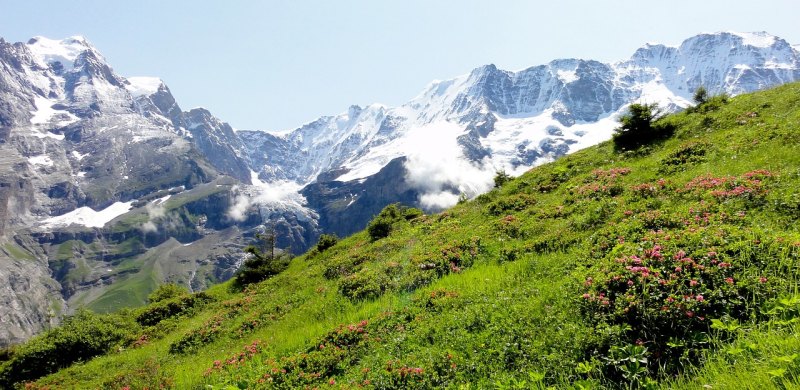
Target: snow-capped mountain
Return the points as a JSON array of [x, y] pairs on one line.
[[108, 187], [106, 182], [492, 119]]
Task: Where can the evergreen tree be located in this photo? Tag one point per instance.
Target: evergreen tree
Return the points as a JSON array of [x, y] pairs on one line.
[[700, 95], [263, 262], [639, 127]]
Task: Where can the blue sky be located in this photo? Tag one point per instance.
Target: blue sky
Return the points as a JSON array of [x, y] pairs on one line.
[[275, 65]]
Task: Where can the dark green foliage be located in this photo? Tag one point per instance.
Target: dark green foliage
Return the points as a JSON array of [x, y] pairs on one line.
[[79, 338], [326, 241], [381, 226], [700, 95], [689, 154], [263, 262], [172, 307], [500, 178], [511, 203], [5, 354], [167, 291], [365, 284], [640, 127], [412, 213]]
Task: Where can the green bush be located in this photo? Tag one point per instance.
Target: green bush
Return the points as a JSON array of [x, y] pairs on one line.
[[511, 203], [167, 291], [700, 95], [412, 213], [689, 154], [192, 340], [80, 338], [381, 225], [326, 241], [172, 307], [365, 284]]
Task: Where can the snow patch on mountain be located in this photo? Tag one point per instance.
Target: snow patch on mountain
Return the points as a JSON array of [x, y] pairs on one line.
[[143, 86], [567, 76], [756, 39], [78, 156], [46, 114], [88, 217], [43, 159]]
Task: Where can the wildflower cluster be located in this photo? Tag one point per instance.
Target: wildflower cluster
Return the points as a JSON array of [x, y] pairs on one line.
[[646, 190], [610, 174], [668, 287], [747, 186], [604, 183], [237, 360]]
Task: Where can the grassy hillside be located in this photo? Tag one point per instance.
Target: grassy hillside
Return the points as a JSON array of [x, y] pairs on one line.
[[673, 266]]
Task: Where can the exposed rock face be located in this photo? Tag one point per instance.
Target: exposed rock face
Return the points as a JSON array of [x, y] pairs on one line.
[[29, 296], [346, 207]]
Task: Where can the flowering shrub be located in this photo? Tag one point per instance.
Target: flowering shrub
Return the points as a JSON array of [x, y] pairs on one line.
[[610, 174], [516, 202], [237, 360], [690, 154], [365, 284], [647, 190], [749, 186], [172, 307], [510, 226], [603, 183], [664, 290]]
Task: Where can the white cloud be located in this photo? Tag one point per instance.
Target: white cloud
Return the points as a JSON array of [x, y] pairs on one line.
[[149, 227], [438, 169]]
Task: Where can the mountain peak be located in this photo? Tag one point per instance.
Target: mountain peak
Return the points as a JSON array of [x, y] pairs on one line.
[[64, 51]]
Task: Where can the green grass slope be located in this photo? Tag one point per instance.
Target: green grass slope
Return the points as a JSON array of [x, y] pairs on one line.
[[673, 266]]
